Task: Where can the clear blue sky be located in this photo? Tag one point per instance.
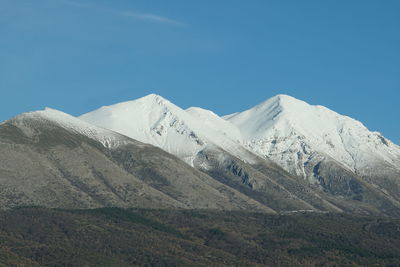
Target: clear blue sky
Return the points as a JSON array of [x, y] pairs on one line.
[[225, 55]]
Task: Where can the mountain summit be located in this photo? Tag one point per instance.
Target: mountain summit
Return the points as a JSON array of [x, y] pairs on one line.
[[333, 152], [281, 155], [155, 120], [294, 133]]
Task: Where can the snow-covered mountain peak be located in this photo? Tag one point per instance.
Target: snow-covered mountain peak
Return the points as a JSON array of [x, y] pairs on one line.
[[292, 132], [287, 115], [152, 98], [134, 118], [152, 119], [215, 122], [152, 95], [287, 130], [146, 102], [155, 120], [279, 111], [281, 102], [50, 114], [71, 123]]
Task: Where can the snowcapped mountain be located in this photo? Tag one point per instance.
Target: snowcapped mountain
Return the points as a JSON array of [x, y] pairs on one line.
[[335, 152], [293, 134], [50, 116], [49, 158], [244, 160], [184, 133], [210, 144], [213, 121]]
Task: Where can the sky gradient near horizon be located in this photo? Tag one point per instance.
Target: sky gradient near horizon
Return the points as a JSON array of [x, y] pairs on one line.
[[226, 56]]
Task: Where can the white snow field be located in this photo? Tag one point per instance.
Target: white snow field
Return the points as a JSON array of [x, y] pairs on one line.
[[288, 130], [284, 129]]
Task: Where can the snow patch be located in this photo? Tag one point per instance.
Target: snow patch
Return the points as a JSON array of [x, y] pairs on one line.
[[106, 137], [291, 132], [155, 120]]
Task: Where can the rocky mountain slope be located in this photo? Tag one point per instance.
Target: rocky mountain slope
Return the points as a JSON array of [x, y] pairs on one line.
[[280, 156], [320, 145], [155, 120], [51, 159], [293, 133], [335, 154]]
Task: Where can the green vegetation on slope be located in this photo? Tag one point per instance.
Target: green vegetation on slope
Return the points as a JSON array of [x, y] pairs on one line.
[[140, 237]]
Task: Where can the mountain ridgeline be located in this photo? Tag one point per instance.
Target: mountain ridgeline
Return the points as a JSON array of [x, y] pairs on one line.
[[283, 155]]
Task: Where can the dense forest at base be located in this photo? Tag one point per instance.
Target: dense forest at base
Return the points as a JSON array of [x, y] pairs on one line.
[[35, 236]]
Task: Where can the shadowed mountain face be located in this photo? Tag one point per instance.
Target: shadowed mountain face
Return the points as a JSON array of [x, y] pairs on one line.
[[268, 183]]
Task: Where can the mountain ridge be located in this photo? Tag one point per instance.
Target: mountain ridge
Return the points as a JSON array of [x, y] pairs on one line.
[[333, 152], [155, 120], [50, 163], [332, 133], [273, 157]]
